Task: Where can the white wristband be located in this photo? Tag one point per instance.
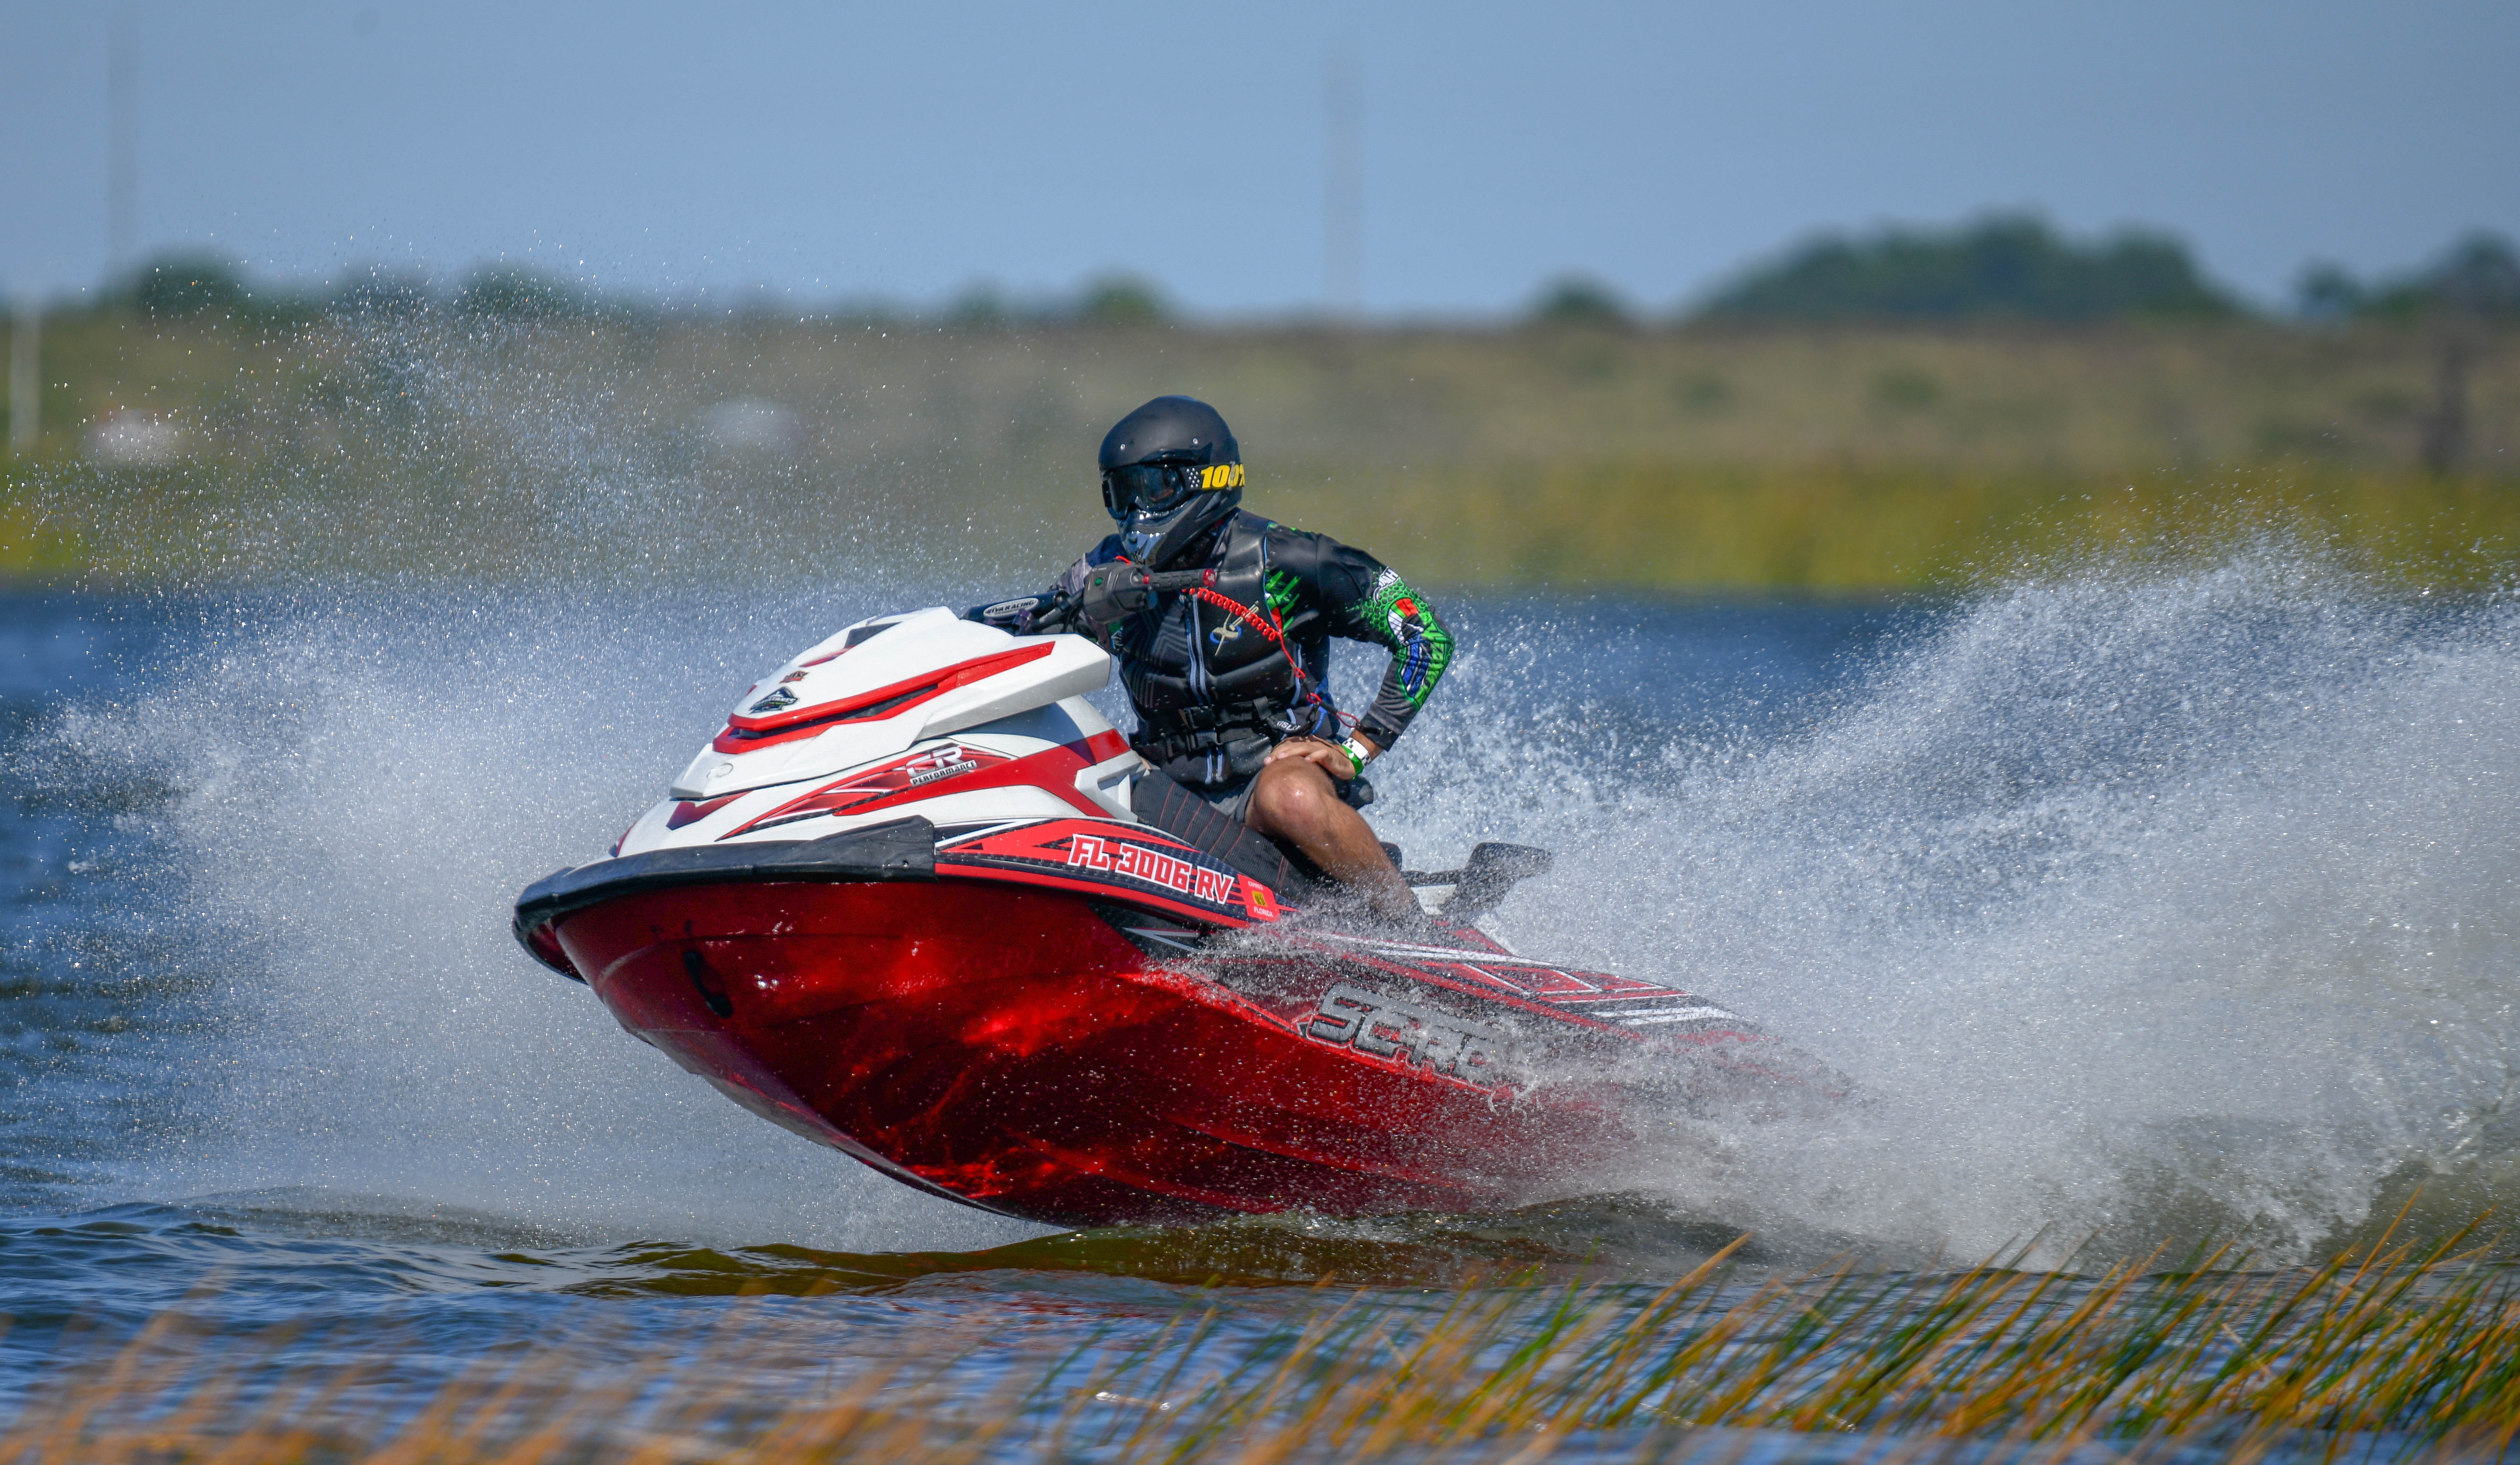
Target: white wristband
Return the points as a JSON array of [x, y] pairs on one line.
[[1356, 752]]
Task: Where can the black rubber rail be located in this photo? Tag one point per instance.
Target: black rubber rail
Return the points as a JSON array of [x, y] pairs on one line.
[[901, 848]]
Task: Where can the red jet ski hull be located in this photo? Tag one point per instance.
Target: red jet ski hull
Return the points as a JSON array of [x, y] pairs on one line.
[[919, 901], [1010, 1048]]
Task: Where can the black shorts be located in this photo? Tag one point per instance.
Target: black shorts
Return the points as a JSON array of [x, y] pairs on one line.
[[1234, 800]]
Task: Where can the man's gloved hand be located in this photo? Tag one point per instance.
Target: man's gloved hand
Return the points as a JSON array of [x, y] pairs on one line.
[[1058, 614], [1113, 594]]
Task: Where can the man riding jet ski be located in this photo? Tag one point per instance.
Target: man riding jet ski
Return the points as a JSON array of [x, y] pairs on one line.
[[1230, 675], [919, 901]]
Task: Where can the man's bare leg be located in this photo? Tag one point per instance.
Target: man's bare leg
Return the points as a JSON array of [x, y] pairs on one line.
[[1291, 799]]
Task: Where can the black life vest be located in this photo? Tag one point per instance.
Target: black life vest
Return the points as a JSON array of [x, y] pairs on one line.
[[1214, 693]]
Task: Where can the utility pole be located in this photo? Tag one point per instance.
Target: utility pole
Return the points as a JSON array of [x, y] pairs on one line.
[[123, 142], [26, 376], [1342, 188], [2445, 444]]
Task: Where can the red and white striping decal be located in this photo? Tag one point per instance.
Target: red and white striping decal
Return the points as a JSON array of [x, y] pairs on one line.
[[1095, 856], [746, 732], [691, 811], [1602, 997]]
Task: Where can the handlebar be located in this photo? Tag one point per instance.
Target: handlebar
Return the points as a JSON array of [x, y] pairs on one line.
[[1060, 613]]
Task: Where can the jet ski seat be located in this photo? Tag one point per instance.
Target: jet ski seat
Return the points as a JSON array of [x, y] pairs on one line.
[[1161, 802]]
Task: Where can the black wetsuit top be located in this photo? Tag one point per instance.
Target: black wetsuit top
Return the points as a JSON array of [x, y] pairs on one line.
[[1214, 694]]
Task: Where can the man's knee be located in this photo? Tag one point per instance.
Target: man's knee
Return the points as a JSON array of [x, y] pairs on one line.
[[1290, 802]]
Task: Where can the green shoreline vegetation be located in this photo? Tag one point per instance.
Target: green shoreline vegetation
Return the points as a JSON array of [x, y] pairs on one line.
[[1915, 411], [1775, 458]]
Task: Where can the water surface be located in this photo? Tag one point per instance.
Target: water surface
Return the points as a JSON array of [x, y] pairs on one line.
[[2142, 907]]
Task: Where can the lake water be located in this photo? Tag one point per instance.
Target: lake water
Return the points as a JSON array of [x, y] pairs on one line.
[[2143, 906]]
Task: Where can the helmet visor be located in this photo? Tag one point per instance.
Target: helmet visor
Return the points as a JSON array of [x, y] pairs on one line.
[[1147, 487]]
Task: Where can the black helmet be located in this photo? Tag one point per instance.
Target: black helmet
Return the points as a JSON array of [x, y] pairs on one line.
[[1171, 470]]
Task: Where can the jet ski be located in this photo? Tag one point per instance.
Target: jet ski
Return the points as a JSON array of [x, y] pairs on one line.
[[919, 901]]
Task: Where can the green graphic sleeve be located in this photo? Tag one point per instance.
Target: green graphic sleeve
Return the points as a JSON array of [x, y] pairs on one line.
[[1363, 600]]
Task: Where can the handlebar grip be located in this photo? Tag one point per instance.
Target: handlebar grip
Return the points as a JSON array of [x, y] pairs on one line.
[[1180, 580]]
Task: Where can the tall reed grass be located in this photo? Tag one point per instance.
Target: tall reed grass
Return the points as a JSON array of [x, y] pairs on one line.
[[1765, 529], [2383, 1352]]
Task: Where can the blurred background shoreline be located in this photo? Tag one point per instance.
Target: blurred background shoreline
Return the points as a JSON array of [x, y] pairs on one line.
[[1905, 410]]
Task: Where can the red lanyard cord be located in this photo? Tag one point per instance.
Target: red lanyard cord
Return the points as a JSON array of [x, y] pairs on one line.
[[1273, 628]]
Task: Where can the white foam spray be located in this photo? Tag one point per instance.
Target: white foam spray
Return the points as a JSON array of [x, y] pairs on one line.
[[365, 788], [2142, 905], [2138, 903]]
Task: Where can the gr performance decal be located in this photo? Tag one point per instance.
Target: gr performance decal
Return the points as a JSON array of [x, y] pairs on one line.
[[930, 764], [1387, 1028]]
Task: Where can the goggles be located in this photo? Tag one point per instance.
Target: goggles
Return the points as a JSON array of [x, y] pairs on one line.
[[1157, 487]]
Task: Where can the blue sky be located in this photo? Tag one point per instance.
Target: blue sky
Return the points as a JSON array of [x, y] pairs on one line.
[[834, 150]]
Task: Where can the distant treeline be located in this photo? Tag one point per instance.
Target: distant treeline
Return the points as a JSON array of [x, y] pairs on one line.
[[2001, 267], [1998, 267], [2479, 276], [191, 285], [2016, 266]]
